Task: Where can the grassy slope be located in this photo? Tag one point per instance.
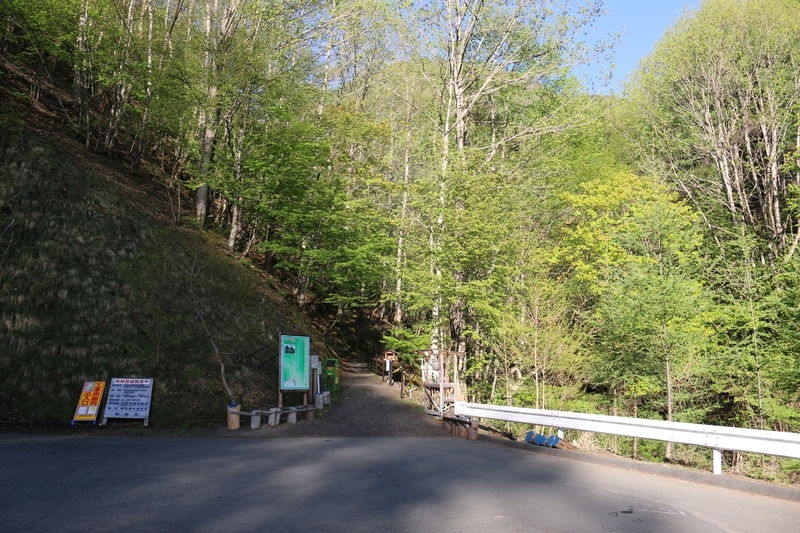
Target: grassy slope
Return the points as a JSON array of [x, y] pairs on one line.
[[92, 287]]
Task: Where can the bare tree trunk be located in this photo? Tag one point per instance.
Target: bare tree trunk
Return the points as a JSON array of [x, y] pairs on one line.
[[436, 331], [236, 140], [122, 86], [236, 224], [494, 383], [536, 365], [398, 304], [635, 415], [326, 67], [668, 453], [438, 229], [83, 72], [138, 149], [201, 205], [796, 182], [457, 322], [206, 118], [614, 413], [749, 286]]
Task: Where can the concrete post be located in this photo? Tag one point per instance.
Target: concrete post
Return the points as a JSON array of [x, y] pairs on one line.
[[274, 417]]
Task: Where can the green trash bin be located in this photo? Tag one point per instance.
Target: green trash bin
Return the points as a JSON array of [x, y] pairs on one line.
[[330, 375]]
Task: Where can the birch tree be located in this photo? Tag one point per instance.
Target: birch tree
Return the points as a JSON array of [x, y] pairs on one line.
[[726, 81], [472, 53]]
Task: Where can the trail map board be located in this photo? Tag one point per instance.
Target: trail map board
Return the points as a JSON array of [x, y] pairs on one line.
[[295, 362], [129, 398]]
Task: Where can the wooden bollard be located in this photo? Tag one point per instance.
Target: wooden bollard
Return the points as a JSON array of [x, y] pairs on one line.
[[274, 417], [472, 430], [233, 416], [291, 418], [309, 415], [255, 420]]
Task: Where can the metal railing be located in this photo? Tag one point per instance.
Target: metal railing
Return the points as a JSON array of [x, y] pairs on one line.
[[717, 438]]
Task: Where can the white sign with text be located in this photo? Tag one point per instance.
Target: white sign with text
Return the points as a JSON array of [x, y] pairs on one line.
[[129, 398]]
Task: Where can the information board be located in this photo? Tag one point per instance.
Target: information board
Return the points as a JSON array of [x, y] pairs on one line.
[[89, 402], [295, 362], [129, 398]]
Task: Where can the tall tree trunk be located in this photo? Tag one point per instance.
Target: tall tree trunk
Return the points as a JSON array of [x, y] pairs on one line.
[[201, 205], [326, 67], [83, 73], [138, 149], [668, 372], [457, 323], [206, 118], [122, 86], [237, 140], [236, 224], [635, 415], [398, 304], [536, 358]]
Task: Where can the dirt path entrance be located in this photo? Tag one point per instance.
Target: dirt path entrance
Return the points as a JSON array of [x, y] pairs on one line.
[[365, 407]]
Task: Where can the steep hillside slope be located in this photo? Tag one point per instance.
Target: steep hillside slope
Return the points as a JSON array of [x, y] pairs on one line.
[[92, 287]]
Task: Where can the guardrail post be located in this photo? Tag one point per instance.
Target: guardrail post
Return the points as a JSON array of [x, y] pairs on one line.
[[717, 461], [560, 434], [274, 417]]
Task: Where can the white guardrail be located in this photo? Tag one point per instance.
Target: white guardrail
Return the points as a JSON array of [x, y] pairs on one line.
[[717, 438]]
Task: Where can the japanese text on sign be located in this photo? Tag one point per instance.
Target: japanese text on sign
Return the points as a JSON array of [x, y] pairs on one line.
[[129, 398], [89, 402]]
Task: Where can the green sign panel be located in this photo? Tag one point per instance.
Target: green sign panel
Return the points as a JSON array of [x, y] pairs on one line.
[[295, 362]]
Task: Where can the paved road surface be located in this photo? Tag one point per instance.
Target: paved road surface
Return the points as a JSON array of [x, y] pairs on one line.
[[414, 484]]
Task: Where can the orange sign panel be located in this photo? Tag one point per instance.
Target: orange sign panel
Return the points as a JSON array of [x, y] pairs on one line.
[[89, 402]]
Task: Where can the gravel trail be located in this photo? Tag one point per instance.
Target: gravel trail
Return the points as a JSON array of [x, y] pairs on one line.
[[365, 407]]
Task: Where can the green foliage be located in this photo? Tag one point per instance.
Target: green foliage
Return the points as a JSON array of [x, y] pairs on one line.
[[630, 254], [39, 31], [324, 225], [405, 342], [718, 101], [649, 324]]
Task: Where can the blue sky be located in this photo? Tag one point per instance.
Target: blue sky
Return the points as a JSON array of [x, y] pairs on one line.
[[645, 22]]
